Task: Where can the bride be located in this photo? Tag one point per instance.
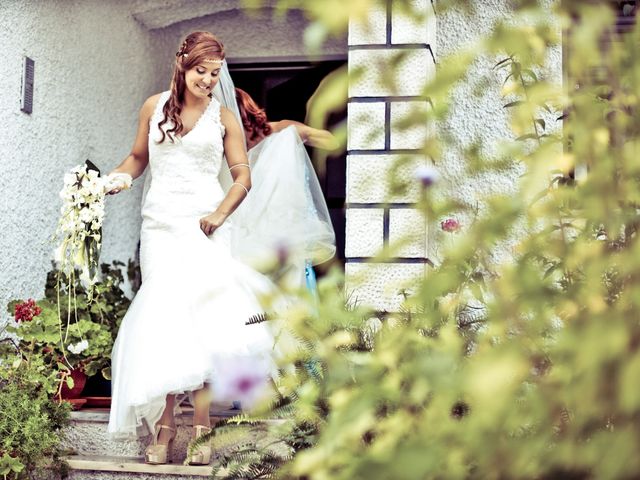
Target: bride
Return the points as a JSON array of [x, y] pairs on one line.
[[206, 205], [186, 327]]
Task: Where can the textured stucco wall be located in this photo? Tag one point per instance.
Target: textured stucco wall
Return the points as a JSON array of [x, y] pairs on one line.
[[92, 73], [477, 115], [245, 35]]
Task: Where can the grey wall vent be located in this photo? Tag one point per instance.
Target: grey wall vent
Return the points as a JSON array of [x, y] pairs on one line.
[[26, 100]]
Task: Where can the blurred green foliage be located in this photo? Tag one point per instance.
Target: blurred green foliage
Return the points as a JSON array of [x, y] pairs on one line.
[[541, 383]]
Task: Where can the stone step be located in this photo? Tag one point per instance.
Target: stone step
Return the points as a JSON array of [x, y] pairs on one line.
[[110, 467], [92, 455], [87, 433]]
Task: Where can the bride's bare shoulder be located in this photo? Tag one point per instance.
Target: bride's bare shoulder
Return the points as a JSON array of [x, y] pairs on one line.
[[150, 103], [228, 119]]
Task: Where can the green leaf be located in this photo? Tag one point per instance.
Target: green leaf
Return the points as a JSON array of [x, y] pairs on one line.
[[513, 104], [528, 136], [502, 62], [530, 73]]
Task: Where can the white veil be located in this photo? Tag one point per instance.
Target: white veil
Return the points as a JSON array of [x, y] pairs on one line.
[[285, 208], [225, 93]]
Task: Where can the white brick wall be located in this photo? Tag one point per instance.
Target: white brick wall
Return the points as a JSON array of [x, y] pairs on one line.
[[389, 71], [366, 126], [413, 21], [372, 29], [372, 178], [390, 61], [364, 232], [408, 229], [408, 138]]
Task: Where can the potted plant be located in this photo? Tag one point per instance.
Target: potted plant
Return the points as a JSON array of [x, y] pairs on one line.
[[73, 350], [73, 333]]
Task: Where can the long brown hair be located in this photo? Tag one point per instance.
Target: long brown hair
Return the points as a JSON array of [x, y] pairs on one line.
[[254, 118], [198, 46]]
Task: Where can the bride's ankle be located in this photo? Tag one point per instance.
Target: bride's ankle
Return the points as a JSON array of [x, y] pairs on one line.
[[197, 429], [164, 436], [169, 423]]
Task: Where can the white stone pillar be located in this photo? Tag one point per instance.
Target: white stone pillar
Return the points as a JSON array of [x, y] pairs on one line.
[[390, 60]]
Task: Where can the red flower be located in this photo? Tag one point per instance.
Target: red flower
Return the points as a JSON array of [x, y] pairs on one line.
[[25, 311], [450, 225]]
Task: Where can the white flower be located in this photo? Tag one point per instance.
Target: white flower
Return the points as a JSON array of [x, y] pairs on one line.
[[81, 216], [69, 179], [79, 347], [97, 209], [86, 215], [58, 253]]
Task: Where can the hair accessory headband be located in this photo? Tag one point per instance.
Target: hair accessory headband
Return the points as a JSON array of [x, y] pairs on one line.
[[182, 53]]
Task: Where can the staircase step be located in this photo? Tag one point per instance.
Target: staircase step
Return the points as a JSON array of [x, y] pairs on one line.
[[87, 433], [99, 467], [95, 456]]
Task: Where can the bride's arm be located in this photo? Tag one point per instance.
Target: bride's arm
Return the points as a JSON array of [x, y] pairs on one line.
[[138, 158], [236, 155]]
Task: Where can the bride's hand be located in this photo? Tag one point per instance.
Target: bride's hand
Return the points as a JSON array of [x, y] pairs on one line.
[[212, 222], [116, 182]]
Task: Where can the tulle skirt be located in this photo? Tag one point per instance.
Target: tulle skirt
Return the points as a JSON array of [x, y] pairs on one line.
[[187, 326]]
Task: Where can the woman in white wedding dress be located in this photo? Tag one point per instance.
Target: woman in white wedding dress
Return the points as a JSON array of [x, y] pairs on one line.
[[186, 327]]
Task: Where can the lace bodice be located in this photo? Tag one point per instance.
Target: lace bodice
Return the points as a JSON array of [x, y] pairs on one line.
[[185, 172], [199, 151]]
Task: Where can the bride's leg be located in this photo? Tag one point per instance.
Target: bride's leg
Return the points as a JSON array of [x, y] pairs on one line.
[[202, 424], [167, 419], [202, 402]]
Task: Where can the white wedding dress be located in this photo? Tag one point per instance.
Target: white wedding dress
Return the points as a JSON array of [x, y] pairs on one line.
[[186, 324]]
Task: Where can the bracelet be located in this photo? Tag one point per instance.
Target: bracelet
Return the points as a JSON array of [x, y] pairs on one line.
[[245, 188], [239, 165]]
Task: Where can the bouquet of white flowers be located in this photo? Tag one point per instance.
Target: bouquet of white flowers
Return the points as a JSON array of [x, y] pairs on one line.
[[79, 232]]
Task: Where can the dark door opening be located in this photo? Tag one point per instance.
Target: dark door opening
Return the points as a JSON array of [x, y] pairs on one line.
[[282, 87]]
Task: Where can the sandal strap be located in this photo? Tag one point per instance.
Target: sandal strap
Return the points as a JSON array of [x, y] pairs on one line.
[[159, 427]]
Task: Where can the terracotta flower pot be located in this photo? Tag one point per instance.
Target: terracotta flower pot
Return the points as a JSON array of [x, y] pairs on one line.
[[79, 379]]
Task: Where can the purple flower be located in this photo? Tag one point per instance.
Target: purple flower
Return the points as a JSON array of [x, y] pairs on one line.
[[282, 252], [245, 384], [427, 175]]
